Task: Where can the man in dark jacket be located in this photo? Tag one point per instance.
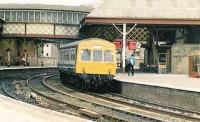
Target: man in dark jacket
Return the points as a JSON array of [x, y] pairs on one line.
[[131, 65]]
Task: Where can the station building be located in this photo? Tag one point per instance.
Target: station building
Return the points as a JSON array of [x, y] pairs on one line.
[[33, 32], [167, 32]]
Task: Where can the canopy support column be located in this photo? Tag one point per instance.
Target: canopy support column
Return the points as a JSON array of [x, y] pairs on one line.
[[124, 33], [124, 47]]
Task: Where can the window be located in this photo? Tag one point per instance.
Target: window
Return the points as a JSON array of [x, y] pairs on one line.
[[2, 14], [80, 16], [25, 16], [48, 16], [47, 54], [67, 55], [63, 54], [60, 17], [70, 18], [65, 17], [19, 16], [85, 55], [75, 21], [97, 55], [108, 56], [73, 53], [31, 16], [7, 15], [37, 16], [54, 17], [13, 16], [43, 16]]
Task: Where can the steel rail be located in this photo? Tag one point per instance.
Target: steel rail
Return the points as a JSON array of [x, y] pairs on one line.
[[103, 107], [58, 90]]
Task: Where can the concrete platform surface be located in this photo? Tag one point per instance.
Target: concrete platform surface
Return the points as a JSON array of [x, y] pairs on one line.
[[181, 82], [17, 111]]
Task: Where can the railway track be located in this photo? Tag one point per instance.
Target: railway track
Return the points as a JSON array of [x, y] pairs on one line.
[[143, 113], [111, 107], [10, 81], [14, 86], [71, 100]]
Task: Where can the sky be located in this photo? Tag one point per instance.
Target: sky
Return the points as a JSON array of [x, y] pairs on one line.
[[52, 2]]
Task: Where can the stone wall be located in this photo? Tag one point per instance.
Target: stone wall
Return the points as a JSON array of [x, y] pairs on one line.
[[180, 57], [187, 100], [17, 50]]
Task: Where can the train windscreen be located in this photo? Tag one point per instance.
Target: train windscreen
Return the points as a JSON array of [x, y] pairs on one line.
[[108, 56], [97, 55], [85, 55]]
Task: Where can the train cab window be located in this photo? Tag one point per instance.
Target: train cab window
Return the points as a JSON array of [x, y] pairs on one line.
[[97, 55], [85, 55], [108, 56]]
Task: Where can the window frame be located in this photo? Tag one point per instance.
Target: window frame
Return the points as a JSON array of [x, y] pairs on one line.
[[90, 55], [97, 55]]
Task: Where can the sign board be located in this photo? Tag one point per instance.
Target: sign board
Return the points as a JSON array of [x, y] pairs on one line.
[[132, 45], [118, 43]]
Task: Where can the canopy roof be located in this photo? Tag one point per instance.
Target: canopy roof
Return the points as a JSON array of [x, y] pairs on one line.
[[45, 7], [147, 12]]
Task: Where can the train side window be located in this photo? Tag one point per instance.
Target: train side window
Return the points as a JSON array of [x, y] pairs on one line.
[[62, 56], [73, 50], [67, 55], [108, 56], [85, 55], [97, 55]]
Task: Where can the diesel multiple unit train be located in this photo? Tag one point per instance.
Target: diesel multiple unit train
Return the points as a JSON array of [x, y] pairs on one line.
[[88, 63]]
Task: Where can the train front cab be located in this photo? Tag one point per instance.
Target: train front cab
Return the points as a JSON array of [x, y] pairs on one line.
[[96, 63]]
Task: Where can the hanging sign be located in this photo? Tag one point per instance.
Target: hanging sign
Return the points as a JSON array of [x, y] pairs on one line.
[[118, 43], [132, 45]]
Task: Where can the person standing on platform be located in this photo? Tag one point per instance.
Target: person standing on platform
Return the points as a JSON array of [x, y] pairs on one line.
[[131, 65]]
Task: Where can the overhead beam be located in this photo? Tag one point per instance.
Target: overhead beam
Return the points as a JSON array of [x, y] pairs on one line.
[[174, 21]]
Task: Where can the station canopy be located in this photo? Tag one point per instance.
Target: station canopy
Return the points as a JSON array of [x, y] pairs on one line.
[[167, 12]]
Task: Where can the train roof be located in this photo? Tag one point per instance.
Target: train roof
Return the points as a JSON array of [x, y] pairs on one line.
[[80, 41]]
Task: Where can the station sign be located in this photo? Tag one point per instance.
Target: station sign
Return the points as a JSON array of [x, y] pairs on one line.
[[131, 44], [118, 43]]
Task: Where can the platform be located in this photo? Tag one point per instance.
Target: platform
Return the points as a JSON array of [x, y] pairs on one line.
[[17, 111], [181, 82], [178, 91]]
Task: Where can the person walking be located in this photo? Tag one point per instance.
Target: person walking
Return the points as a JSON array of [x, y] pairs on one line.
[[131, 65]]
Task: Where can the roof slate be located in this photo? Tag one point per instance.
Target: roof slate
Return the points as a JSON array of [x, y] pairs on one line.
[[148, 9]]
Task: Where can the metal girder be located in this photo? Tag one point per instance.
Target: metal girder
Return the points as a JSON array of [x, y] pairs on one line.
[[109, 32], [40, 30]]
